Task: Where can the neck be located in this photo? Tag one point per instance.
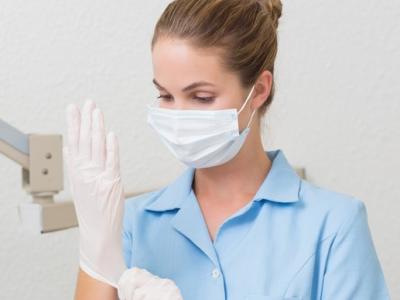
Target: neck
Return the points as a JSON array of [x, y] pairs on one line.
[[237, 179]]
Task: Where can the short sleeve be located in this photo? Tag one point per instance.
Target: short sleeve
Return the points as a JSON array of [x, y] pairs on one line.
[[353, 270]]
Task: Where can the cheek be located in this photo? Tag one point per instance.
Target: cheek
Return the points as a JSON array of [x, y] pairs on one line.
[[164, 104], [229, 102], [170, 105]]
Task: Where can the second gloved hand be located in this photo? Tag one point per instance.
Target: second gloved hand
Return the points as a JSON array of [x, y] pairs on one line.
[[140, 284]]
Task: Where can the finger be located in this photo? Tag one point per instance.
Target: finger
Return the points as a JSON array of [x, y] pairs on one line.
[[112, 159], [150, 287], [98, 138], [73, 118], [85, 136], [139, 277], [142, 294], [130, 281]]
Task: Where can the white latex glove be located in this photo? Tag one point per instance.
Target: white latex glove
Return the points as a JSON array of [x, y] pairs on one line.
[[140, 284], [92, 161]]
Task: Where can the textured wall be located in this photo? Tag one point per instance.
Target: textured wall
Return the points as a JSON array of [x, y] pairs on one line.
[[336, 111]]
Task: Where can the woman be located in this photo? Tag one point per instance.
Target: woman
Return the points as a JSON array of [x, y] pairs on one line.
[[239, 223]]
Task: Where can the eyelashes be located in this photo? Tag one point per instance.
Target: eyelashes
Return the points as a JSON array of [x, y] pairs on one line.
[[168, 98], [164, 97]]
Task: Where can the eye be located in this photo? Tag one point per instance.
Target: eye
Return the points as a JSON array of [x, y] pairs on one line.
[[205, 99], [165, 97], [200, 99]]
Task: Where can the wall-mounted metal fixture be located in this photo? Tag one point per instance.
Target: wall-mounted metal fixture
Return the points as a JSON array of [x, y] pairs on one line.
[[40, 156]]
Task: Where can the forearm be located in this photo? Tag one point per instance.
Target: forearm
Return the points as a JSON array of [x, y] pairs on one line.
[[88, 288]]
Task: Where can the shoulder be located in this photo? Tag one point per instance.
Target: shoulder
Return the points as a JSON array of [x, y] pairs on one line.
[[134, 206], [140, 201], [326, 198], [333, 210]]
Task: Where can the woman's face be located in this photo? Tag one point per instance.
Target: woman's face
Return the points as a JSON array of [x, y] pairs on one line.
[[192, 78]]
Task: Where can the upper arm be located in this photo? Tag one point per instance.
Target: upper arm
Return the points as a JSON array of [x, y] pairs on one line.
[[353, 270]]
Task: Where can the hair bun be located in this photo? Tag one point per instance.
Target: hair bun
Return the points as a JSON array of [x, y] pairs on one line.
[[274, 7]]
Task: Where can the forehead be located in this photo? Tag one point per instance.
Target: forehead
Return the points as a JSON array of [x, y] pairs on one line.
[[178, 58]]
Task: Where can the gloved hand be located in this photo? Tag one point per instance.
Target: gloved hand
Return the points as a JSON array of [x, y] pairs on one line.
[[140, 284], [92, 161]]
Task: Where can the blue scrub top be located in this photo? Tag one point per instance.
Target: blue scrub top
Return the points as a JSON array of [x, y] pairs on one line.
[[293, 240]]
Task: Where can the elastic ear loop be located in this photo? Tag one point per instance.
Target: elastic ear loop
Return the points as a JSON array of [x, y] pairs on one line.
[[244, 104]]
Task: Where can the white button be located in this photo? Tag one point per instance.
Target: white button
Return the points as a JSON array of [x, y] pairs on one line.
[[215, 273]]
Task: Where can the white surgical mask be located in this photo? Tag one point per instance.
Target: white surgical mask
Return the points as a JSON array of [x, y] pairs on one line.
[[200, 138]]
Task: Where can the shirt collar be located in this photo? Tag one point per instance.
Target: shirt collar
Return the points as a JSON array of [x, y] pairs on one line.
[[282, 184]]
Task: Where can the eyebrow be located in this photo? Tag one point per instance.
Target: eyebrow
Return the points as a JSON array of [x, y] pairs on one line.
[[188, 88]]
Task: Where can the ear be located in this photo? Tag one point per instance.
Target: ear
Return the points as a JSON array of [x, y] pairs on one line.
[[262, 89]]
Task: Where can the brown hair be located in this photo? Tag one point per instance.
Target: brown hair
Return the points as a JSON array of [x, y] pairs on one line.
[[245, 31]]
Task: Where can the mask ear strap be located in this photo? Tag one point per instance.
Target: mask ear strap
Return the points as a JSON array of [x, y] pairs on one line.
[[248, 97], [251, 118], [244, 104]]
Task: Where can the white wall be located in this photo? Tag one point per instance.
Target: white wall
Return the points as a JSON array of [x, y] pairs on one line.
[[336, 111]]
